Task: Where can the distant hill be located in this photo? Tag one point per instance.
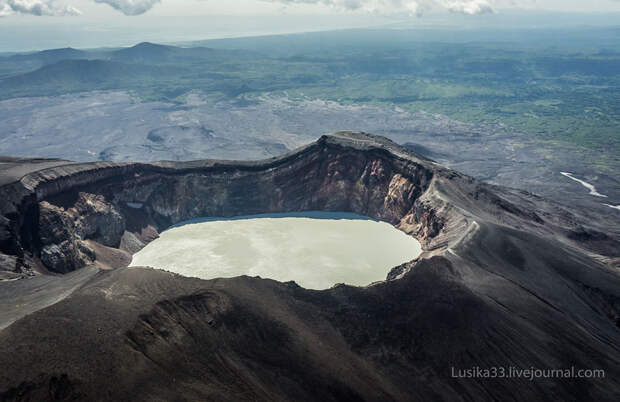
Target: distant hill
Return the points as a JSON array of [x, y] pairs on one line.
[[76, 75], [144, 52], [22, 62], [163, 72], [87, 71], [50, 56], [151, 53]]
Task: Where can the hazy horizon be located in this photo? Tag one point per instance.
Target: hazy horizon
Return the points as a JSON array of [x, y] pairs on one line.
[[25, 33]]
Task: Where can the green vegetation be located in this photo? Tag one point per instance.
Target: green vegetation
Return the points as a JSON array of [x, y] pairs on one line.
[[568, 91]]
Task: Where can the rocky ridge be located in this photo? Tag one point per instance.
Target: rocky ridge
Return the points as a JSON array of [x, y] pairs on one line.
[[353, 172]]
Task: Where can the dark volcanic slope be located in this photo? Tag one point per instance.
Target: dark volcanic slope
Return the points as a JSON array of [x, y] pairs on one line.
[[507, 279]]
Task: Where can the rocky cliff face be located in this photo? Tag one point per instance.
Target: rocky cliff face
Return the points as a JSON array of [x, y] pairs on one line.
[[109, 203], [62, 233], [507, 279]]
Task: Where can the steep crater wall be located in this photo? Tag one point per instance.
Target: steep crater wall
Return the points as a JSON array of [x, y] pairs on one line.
[[126, 207], [68, 216]]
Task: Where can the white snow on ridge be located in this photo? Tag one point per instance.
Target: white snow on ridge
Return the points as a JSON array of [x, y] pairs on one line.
[[585, 184], [613, 206]]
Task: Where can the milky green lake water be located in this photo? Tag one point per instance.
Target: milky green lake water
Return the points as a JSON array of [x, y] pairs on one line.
[[316, 250]]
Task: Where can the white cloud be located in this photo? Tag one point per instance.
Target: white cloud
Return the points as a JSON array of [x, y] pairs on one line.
[[130, 7], [35, 7], [51, 7], [399, 6], [469, 6], [5, 10]]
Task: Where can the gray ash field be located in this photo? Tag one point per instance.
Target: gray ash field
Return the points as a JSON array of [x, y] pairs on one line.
[[506, 279]]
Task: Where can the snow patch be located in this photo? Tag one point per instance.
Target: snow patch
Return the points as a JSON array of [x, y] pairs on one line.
[[585, 184]]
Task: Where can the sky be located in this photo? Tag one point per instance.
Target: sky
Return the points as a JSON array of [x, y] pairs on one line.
[[30, 25], [108, 8]]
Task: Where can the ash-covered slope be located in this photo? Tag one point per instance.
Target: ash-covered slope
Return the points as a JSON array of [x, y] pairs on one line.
[[507, 279]]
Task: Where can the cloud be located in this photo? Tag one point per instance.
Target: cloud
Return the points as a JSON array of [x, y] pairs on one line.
[[50, 7], [35, 7], [470, 7], [399, 6], [5, 10], [130, 7], [137, 7]]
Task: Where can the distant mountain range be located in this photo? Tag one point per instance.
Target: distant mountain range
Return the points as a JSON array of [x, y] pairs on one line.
[[147, 52], [57, 71], [78, 75], [144, 52], [75, 71], [50, 56]]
